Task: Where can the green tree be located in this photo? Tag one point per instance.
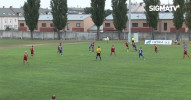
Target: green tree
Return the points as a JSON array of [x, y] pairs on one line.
[[108, 12], [59, 13], [31, 14], [87, 10], [98, 14], [178, 16], [119, 15], [152, 17], [188, 17]]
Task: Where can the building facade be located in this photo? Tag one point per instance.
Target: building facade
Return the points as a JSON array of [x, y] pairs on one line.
[[8, 19], [76, 22], [139, 23]]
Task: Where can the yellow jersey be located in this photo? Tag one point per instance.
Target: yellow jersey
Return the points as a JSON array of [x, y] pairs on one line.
[[98, 50]]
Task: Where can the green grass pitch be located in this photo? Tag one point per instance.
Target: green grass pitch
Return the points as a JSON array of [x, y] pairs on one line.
[[78, 76]]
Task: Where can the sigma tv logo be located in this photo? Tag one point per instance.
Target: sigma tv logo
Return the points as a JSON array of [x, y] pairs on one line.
[[163, 8]]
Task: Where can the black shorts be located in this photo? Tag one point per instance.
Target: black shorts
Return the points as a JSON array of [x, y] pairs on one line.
[[98, 54]]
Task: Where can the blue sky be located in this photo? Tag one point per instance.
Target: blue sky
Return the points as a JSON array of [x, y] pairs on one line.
[[71, 3]]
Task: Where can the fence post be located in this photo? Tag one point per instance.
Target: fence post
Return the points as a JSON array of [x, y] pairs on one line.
[[124, 35], [54, 36], [88, 35], [21, 35], [11, 34], [165, 35], [76, 35], [42, 35]]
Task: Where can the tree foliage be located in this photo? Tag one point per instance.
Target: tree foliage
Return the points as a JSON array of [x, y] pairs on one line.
[[108, 12], [87, 10], [188, 16], [152, 17], [59, 13], [119, 15], [98, 13], [31, 14], [178, 16]]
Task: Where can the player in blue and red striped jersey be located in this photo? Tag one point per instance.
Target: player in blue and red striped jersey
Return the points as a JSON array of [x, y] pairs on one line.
[[134, 46], [58, 48], [93, 47], [90, 46], [113, 50], [185, 53], [141, 53]]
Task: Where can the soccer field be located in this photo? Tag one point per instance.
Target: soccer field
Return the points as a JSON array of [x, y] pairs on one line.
[[77, 75]]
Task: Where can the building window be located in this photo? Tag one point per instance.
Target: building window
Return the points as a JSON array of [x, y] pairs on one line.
[[22, 25], [51, 25], [68, 26], [107, 24], [43, 24], [165, 26], [10, 20], [5, 26], [15, 27], [145, 25], [135, 24], [15, 20], [78, 25]]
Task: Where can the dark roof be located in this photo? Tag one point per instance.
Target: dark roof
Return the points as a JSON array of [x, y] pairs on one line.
[[20, 11], [7, 12], [141, 16], [71, 17]]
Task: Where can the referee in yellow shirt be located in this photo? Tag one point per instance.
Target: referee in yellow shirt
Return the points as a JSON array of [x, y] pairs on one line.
[[98, 52]]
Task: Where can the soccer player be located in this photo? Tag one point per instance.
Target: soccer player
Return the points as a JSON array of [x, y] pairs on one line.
[[134, 46], [90, 46], [60, 49], [133, 40], [107, 39], [185, 45], [32, 51], [53, 97], [113, 50], [127, 46], [93, 47], [156, 48], [25, 58], [141, 53], [98, 52], [185, 53]]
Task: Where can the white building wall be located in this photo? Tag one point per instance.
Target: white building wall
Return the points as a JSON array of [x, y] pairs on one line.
[[1, 28], [11, 22]]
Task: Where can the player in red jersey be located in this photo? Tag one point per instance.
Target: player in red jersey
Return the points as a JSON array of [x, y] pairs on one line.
[[113, 50], [32, 51], [93, 47], [185, 53], [127, 46], [59, 48], [25, 58], [156, 48]]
